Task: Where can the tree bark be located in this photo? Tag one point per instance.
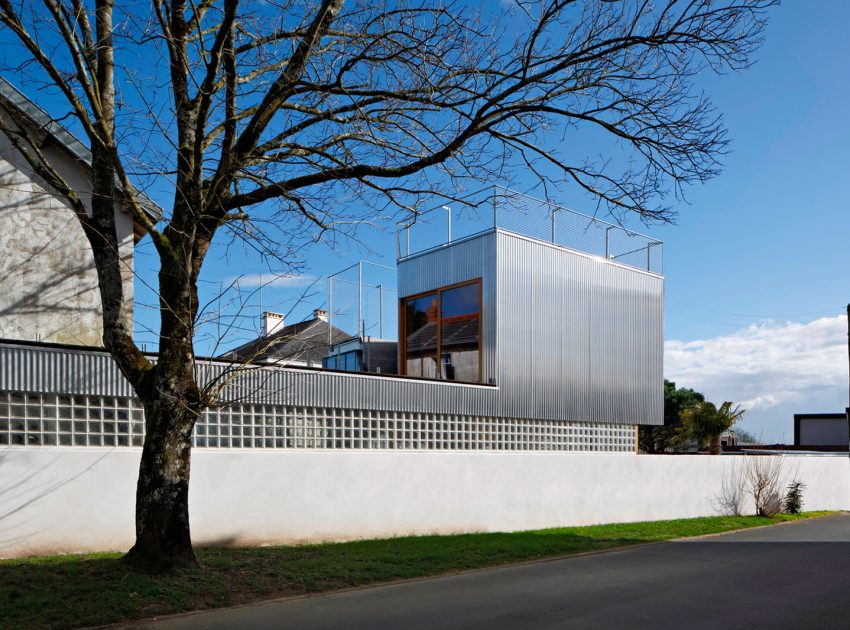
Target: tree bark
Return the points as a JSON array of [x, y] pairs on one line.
[[714, 447], [163, 538], [172, 403]]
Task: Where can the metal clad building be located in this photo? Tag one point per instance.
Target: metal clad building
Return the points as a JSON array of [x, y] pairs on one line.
[[565, 336]]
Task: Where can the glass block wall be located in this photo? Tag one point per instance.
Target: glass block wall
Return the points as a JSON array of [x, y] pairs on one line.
[[28, 419]]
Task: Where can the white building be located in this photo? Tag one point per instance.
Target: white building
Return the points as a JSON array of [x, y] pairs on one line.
[[48, 283]]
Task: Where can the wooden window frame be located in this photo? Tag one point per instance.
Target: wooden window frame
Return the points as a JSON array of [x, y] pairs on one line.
[[402, 318]]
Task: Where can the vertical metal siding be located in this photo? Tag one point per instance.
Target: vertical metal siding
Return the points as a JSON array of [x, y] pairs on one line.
[[580, 338], [56, 370]]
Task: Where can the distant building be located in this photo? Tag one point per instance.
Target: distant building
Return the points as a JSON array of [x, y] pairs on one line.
[[303, 344], [821, 429], [364, 355], [730, 438]]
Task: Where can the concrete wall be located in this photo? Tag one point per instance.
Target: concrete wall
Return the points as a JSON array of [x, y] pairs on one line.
[[70, 500], [48, 284]]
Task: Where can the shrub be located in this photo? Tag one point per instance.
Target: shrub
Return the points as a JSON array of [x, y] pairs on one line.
[[764, 478], [794, 497], [772, 504]]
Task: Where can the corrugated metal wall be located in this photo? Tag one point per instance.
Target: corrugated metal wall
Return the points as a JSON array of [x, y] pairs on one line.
[[45, 369], [580, 338], [566, 337], [60, 371]]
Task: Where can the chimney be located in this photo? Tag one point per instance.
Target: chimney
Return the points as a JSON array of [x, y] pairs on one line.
[[320, 314], [272, 322]]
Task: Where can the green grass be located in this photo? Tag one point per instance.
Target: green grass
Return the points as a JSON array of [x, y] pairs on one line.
[[91, 589]]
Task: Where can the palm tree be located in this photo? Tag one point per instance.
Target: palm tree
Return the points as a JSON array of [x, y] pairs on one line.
[[705, 422]]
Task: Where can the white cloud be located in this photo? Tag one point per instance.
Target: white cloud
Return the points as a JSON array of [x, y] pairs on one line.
[[773, 369], [286, 281]]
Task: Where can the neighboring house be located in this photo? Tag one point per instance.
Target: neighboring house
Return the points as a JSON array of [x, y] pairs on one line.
[[368, 354], [732, 439], [48, 283], [728, 439], [821, 429], [304, 344]]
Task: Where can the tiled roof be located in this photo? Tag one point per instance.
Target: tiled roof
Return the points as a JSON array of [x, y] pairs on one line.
[[305, 342]]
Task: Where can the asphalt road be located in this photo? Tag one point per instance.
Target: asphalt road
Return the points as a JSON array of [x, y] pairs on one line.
[[793, 575]]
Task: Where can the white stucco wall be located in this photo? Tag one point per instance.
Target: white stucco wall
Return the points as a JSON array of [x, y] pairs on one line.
[[55, 499], [48, 284]]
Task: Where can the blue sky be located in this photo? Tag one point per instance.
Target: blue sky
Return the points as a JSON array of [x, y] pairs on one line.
[[756, 269], [768, 238], [756, 266]]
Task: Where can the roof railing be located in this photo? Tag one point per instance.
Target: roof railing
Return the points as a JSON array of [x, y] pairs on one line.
[[512, 211]]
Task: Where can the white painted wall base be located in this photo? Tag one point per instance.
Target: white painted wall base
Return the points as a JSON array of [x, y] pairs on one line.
[[57, 500]]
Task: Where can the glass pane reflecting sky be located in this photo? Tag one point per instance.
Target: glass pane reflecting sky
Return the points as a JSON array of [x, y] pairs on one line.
[[460, 301]]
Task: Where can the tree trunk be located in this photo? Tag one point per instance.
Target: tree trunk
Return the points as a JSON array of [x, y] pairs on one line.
[[173, 402], [163, 539], [714, 447]]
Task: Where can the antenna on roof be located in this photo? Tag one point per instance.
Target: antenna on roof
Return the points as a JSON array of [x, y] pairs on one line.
[[330, 311]]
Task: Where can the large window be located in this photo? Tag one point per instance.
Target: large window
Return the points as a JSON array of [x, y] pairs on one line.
[[442, 333]]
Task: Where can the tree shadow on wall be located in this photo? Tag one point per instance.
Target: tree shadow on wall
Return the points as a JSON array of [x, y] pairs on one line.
[[18, 493]]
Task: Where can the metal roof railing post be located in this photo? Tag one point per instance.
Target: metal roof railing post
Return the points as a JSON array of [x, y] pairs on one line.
[[554, 210], [330, 309], [649, 247], [359, 296]]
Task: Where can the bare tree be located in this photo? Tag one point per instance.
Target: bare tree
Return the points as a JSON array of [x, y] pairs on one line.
[[765, 477], [260, 120]]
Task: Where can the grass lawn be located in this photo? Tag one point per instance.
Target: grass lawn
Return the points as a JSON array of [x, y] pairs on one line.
[[82, 590]]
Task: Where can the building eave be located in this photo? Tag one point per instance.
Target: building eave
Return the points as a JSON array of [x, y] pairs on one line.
[[65, 140]]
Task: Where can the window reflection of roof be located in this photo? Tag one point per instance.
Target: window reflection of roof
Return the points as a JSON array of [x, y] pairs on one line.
[[456, 331], [424, 338], [459, 332]]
